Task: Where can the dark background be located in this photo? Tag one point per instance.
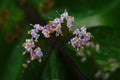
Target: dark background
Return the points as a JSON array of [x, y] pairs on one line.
[[100, 16]]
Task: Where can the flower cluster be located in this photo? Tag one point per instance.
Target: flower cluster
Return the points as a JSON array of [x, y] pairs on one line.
[[81, 38], [36, 53], [52, 26]]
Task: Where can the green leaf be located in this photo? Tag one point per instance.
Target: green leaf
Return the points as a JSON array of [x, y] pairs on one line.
[[14, 65], [89, 13], [53, 69], [108, 39]]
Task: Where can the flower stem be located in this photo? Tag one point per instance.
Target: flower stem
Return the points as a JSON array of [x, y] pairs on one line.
[[67, 59]]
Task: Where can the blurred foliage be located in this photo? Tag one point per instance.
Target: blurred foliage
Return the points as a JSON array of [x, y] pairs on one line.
[[100, 16]]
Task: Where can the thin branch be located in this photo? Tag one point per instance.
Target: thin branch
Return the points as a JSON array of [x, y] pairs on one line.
[[67, 58], [45, 61]]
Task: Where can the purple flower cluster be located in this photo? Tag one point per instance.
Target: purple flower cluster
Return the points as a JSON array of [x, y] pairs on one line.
[[29, 45], [81, 38], [52, 26], [34, 31]]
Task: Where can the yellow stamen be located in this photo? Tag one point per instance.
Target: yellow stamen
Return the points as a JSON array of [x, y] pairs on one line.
[[73, 45], [43, 31], [83, 44], [23, 53], [31, 24], [29, 32], [34, 26], [50, 22], [28, 44], [32, 58], [84, 33], [57, 34], [23, 44], [78, 45], [79, 38], [69, 42], [47, 36], [40, 60], [54, 29], [70, 30], [29, 49], [48, 31], [36, 40], [77, 49], [61, 34], [73, 32], [24, 65]]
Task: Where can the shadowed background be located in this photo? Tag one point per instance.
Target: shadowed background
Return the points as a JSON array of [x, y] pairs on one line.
[[100, 16]]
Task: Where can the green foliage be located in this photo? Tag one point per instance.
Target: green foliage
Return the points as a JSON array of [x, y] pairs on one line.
[[102, 18]]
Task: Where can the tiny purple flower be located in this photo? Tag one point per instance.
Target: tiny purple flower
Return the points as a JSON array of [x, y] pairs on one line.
[[46, 33], [69, 22], [29, 44], [47, 27], [57, 21], [75, 42], [83, 29], [63, 16], [38, 52], [34, 34], [38, 27], [82, 38], [58, 29], [77, 31]]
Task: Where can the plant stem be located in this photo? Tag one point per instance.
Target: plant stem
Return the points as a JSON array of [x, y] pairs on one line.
[[67, 59]]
